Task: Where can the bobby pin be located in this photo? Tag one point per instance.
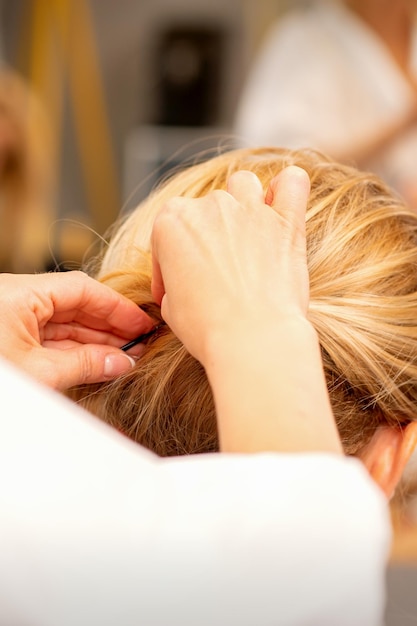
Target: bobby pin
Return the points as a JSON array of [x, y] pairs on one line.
[[141, 338]]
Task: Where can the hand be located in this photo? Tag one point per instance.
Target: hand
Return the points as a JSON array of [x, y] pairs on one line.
[[65, 328], [230, 272], [232, 256]]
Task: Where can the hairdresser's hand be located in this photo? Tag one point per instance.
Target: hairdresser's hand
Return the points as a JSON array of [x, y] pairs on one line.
[[65, 328], [231, 258], [230, 271]]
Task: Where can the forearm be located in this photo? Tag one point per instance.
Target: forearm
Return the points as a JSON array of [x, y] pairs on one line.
[[270, 391]]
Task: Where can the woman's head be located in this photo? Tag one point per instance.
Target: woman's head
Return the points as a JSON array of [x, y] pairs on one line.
[[362, 257]]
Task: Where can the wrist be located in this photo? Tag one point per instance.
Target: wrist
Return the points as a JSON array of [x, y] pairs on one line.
[[269, 388], [242, 337]]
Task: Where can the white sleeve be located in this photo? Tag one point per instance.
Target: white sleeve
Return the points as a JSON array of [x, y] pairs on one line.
[[96, 531]]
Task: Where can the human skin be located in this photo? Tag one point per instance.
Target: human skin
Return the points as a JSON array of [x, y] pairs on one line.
[[247, 333], [65, 328]]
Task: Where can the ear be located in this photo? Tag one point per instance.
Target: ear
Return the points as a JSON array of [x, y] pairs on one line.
[[387, 454]]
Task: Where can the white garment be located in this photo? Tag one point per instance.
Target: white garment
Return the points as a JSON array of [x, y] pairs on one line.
[[323, 79], [96, 531]]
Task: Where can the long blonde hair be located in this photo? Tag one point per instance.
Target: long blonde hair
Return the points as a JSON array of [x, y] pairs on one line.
[[362, 258]]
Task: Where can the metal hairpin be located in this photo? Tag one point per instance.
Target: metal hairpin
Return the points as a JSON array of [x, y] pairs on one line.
[[141, 338]]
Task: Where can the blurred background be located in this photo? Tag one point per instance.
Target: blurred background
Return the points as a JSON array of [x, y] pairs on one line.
[[100, 97], [127, 86]]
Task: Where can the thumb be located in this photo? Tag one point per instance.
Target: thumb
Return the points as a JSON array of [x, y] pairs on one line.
[[85, 364]]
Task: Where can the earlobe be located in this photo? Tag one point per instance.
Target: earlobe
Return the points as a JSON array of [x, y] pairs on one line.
[[387, 454]]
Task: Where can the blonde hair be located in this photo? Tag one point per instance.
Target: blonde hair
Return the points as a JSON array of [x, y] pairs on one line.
[[362, 258]]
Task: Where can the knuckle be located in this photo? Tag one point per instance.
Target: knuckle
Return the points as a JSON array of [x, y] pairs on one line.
[[173, 205], [221, 197], [171, 212], [85, 367], [78, 276]]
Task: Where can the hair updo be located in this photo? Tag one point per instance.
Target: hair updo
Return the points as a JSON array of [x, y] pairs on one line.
[[362, 259]]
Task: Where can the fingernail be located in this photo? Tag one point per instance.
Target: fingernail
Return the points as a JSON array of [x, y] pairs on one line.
[[116, 364]]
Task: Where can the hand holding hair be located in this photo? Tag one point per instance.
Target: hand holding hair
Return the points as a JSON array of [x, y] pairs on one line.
[[230, 272], [66, 328], [228, 257]]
